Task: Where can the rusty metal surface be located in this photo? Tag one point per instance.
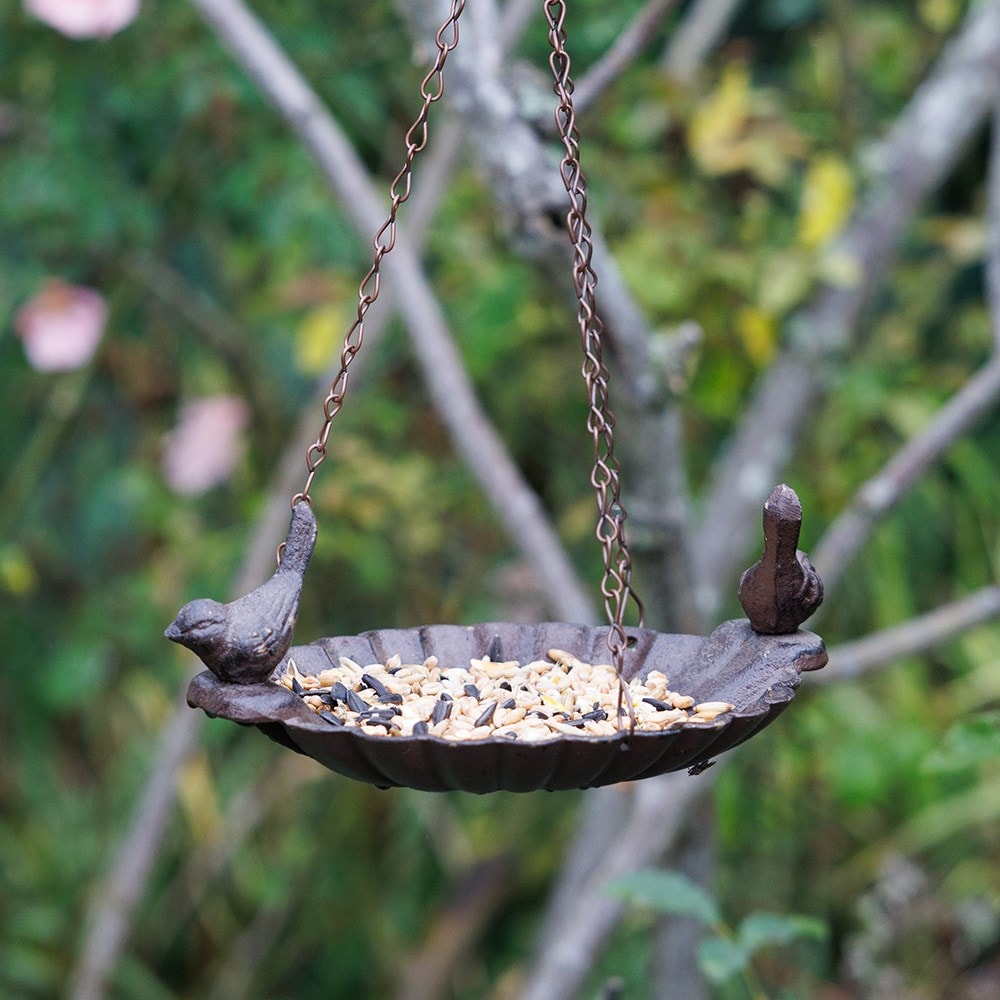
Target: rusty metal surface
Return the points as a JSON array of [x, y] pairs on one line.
[[782, 589], [241, 642], [757, 673]]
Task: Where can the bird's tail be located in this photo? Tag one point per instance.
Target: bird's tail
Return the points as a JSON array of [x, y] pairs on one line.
[[301, 540]]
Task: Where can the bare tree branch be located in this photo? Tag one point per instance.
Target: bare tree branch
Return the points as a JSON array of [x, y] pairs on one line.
[[922, 147], [698, 34], [657, 811], [848, 534], [112, 908], [852, 659], [993, 227], [623, 52], [517, 15]]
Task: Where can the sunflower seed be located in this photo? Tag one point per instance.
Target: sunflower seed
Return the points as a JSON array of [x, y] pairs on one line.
[[487, 717]]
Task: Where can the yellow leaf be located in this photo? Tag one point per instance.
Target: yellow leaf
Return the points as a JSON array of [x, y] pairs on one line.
[[827, 198], [717, 124], [317, 338], [939, 15], [17, 575], [757, 330]]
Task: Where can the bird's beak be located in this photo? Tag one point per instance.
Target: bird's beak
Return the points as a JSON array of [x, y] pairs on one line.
[[173, 632]]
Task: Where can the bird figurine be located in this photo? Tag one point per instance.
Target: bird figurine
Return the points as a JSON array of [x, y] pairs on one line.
[[782, 589], [244, 641]]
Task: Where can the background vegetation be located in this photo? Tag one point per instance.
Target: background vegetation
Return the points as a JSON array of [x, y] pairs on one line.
[[148, 166]]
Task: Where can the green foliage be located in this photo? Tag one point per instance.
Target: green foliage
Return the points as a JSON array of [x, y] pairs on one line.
[[729, 952], [969, 742], [668, 892]]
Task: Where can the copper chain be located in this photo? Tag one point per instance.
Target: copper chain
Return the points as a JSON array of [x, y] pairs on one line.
[[431, 89], [616, 585]]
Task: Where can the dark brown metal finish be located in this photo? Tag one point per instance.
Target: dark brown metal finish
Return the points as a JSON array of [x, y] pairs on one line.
[[782, 589], [242, 642], [431, 90], [616, 585], [758, 674]]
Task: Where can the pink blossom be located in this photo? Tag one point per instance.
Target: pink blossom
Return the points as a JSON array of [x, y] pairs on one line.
[[61, 326], [84, 18], [204, 447]]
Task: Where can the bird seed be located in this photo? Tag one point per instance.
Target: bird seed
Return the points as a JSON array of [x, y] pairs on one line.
[[546, 699]]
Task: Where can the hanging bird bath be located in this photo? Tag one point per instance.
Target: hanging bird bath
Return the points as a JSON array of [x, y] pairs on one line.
[[500, 705]]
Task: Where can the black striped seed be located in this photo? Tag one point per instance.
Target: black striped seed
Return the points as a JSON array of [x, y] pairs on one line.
[[472, 691], [355, 702], [487, 717], [375, 684], [509, 703], [660, 706], [420, 728], [331, 718], [442, 709]]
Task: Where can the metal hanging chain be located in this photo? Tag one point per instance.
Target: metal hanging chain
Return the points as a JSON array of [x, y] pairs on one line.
[[616, 585], [431, 89]]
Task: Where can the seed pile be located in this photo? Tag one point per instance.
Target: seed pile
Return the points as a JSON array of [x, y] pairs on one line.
[[542, 700]]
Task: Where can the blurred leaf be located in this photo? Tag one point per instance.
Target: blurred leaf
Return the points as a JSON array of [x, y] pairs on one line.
[[17, 574], [667, 892], [761, 930], [715, 129], [721, 958], [318, 338], [939, 14], [827, 200], [969, 742], [757, 330], [73, 675]]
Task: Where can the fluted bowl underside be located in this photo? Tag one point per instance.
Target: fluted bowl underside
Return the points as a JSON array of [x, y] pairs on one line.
[[757, 674]]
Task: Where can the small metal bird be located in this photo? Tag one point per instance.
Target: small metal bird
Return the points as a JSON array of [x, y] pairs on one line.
[[244, 641], [782, 589]]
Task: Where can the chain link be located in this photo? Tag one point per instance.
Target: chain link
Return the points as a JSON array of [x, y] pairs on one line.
[[616, 586], [431, 89]]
